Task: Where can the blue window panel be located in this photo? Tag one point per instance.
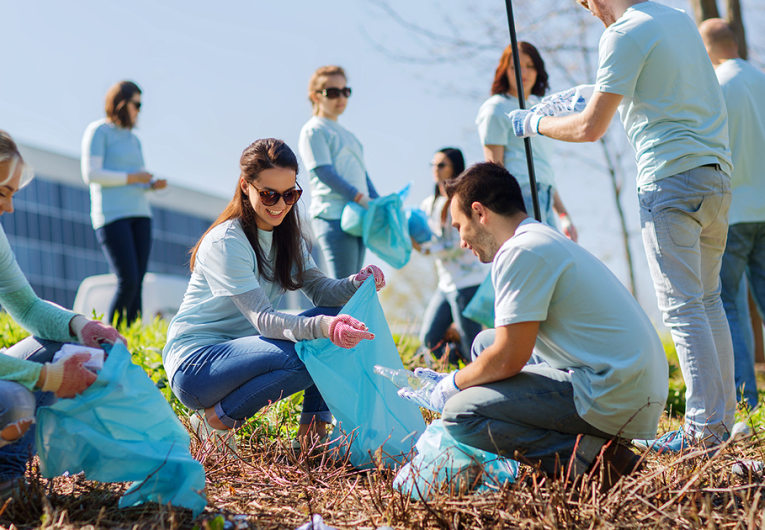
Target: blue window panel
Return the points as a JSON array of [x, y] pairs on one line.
[[33, 230], [67, 232], [90, 239]]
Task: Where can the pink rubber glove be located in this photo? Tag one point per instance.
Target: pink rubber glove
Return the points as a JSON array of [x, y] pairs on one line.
[[366, 272], [346, 332], [95, 333], [69, 377]]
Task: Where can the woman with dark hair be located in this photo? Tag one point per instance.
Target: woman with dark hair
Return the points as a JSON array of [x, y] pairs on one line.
[[459, 271], [334, 159], [28, 378], [113, 167], [228, 352], [500, 145]]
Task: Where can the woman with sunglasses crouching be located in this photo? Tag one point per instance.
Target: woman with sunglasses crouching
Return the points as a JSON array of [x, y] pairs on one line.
[[113, 167], [228, 353], [335, 160]]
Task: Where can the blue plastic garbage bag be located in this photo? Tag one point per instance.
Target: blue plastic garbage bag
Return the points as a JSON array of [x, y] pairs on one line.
[[481, 307], [386, 231], [352, 219], [365, 405], [442, 460], [417, 221], [122, 429]]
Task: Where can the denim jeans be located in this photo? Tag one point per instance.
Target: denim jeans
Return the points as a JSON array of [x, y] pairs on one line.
[[684, 222], [241, 376], [545, 196], [532, 413], [443, 310], [343, 253], [126, 244], [14, 457], [744, 251]]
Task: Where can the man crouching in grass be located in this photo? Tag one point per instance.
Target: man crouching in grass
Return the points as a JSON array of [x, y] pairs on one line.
[[599, 375]]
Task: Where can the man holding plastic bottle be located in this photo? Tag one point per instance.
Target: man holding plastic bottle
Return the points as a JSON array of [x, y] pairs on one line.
[[604, 377], [654, 69]]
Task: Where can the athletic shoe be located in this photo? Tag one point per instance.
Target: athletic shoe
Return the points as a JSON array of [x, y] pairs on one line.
[[222, 439], [617, 462], [744, 468], [671, 442], [740, 430]]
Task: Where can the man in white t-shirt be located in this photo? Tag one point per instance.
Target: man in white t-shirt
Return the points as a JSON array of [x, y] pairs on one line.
[[743, 86], [604, 377], [653, 69]]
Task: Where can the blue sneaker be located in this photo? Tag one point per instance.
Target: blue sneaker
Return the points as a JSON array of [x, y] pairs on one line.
[[673, 442]]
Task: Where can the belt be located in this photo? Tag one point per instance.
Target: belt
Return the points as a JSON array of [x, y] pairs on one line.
[[716, 166]]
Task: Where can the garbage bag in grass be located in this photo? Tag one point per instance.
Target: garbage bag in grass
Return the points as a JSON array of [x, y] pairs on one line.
[[122, 429], [442, 461], [365, 405], [417, 222], [481, 307]]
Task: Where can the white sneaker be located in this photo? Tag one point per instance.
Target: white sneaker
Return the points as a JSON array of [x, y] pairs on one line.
[[740, 430], [742, 468], [222, 439]]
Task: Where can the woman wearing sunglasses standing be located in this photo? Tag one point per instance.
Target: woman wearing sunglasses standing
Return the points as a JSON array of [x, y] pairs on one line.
[[335, 160], [500, 145], [459, 270], [228, 353], [113, 167]]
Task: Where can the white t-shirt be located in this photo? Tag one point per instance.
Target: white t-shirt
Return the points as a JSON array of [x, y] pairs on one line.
[[743, 86], [673, 109], [225, 266], [590, 326], [325, 142], [457, 268]]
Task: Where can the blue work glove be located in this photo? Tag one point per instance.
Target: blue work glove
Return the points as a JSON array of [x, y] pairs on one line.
[[445, 389], [525, 123], [427, 373], [567, 102]]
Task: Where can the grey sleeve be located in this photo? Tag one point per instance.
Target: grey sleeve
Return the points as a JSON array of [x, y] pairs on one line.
[[327, 292], [271, 324]]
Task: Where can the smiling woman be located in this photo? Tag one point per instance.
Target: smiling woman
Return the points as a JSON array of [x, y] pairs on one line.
[[228, 353]]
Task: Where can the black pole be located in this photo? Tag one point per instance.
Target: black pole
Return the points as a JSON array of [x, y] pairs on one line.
[[522, 105]]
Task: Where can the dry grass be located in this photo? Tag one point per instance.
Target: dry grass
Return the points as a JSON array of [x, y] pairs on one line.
[[270, 487]]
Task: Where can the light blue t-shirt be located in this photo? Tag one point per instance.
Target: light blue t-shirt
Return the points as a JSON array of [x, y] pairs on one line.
[[673, 109], [325, 142], [121, 151], [495, 128], [590, 327], [225, 266], [743, 86]]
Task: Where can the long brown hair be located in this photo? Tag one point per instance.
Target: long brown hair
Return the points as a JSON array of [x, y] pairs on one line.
[[116, 103], [288, 237], [501, 85]]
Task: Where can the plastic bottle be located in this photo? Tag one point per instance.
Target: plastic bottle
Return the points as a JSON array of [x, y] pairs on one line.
[[405, 379]]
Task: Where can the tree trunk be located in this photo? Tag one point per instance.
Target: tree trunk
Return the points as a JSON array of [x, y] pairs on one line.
[[704, 9], [736, 20]]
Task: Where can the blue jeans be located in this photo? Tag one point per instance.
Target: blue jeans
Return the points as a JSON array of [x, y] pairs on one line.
[[532, 413], [343, 253], [443, 310], [14, 457], [684, 222], [241, 376], [126, 244], [744, 251], [545, 196]]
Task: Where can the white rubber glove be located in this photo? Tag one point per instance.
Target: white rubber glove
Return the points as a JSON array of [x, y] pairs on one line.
[[567, 102]]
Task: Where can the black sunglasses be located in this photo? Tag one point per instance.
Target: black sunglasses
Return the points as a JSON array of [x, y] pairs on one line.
[[334, 93], [440, 165], [271, 197], [137, 104]]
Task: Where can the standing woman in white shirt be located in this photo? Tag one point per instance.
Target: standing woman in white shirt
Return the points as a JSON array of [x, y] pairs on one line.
[[335, 160], [500, 145], [113, 166]]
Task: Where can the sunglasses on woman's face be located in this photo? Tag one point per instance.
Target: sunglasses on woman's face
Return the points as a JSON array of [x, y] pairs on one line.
[[136, 104], [441, 165], [334, 93], [271, 197]]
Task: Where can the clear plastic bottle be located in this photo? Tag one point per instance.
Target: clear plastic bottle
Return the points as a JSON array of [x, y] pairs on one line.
[[405, 379]]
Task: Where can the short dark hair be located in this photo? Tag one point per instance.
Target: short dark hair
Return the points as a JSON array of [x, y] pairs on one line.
[[116, 103], [491, 185]]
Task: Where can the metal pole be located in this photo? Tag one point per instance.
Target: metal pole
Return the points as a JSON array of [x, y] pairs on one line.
[[522, 105]]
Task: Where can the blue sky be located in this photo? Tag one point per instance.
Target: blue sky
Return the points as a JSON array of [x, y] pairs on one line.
[[217, 76]]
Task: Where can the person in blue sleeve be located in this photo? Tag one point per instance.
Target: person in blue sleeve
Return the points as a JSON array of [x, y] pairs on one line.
[[113, 167], [28, 378], [228, 352], [743, 86], [334, 159], [654, 70], [500, 145]]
